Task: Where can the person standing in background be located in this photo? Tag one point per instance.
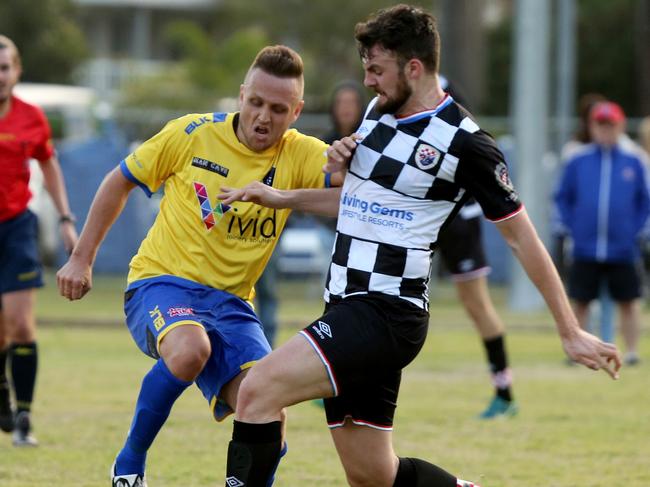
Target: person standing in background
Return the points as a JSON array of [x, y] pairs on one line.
[[600, 318], [24, 134], [604, 204], [347, 104]]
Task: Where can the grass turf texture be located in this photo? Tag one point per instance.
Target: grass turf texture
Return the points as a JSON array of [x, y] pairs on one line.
[[575, 428]]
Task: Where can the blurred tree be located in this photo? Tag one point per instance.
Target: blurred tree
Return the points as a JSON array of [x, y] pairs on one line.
[[322, 32], [50, 43], [606, 51], [607, 55], [209, 71]]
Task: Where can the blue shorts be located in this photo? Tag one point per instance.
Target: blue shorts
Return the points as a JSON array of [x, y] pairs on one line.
[[20, 264], [155, 306]]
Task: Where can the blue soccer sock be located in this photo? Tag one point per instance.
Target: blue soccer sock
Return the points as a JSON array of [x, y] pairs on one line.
[[283, 452], [159, 390]]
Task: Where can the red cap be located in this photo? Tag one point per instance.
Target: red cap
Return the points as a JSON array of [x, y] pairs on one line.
[[607, 111]]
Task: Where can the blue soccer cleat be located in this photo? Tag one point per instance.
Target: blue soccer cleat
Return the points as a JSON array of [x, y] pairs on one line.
[[500, 408]]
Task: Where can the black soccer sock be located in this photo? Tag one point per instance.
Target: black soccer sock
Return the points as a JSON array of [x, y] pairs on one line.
[[413, 472], [24, 362], [498, 359], [5, 405], [253, 453]]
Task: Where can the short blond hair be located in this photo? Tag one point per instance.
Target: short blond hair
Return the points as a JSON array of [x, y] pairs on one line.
[[6, 43]]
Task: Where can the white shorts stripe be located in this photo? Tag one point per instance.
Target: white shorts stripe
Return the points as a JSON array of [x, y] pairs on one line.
[[327, 365]]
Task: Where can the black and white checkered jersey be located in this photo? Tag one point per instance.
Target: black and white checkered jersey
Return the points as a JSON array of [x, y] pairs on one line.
[[407, 178]]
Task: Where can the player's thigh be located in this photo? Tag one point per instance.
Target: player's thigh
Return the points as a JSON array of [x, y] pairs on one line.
[[291, 374], [366, 454], [18, 314]]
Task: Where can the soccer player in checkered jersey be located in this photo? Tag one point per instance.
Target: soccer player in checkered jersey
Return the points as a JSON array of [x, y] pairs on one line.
[[415, 159], [24, 134], [190, 286]]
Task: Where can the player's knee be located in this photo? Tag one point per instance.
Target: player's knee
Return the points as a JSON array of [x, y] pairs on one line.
[[255, 400], [186, 359]]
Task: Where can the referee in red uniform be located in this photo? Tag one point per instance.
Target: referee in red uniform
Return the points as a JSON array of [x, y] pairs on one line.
[[24, 135]]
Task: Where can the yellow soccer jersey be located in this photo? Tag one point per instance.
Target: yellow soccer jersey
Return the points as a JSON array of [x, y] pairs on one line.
[[195, 236]]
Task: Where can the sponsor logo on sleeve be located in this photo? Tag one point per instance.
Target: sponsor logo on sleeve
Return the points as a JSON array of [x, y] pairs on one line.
[[503, 178]]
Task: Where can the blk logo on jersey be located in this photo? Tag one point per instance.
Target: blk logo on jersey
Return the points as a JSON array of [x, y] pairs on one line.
[[209, 215], [322, 329], [426, 156]]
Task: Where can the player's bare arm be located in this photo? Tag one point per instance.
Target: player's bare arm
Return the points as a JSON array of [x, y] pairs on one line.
[[581, 346], [324, 201], [74, 279], [53, 179], [339, 154]]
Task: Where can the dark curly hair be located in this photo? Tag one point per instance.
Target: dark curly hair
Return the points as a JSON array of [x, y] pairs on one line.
[[408, 31]]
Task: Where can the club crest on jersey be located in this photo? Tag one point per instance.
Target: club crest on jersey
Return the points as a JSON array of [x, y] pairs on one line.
[[209, 215], [426, 156]]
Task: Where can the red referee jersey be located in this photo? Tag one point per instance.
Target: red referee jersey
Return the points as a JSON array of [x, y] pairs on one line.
[[24, 134]]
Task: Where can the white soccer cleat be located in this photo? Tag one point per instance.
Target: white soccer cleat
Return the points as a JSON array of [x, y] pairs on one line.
[[22, 435], [132, 480]]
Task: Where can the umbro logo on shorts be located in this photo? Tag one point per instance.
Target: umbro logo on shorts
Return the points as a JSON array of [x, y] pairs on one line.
[[234, 482], [322, 329]]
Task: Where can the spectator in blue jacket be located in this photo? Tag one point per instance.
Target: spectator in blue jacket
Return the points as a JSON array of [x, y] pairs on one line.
[[603, 202]]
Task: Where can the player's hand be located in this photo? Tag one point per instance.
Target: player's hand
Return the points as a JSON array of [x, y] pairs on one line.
[[255, 192], [340, 153], [69, 236], [590, 351], [74, 279]]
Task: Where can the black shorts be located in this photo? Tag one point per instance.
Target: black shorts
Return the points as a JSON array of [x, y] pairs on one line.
[[365, 341], [461, 249], [623, 280]]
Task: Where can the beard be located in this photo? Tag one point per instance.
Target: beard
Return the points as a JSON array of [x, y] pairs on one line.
[[392, 104]]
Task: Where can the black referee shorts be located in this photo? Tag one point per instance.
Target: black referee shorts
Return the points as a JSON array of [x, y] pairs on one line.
[[461, 249], [365, 341]]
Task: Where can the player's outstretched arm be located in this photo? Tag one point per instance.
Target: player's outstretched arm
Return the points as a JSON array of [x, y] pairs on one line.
[[324, 202], [74, 279], [578, 344]]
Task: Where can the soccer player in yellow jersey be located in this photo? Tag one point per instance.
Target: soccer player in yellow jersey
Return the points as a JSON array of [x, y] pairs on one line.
[[187, 302]]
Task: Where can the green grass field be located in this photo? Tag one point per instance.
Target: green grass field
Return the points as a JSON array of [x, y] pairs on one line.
[[576, 428]]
